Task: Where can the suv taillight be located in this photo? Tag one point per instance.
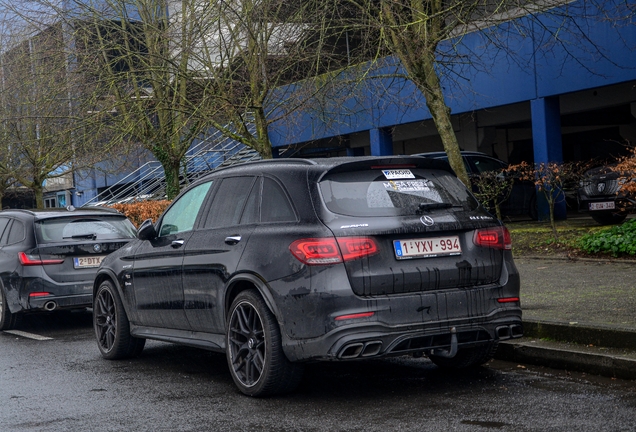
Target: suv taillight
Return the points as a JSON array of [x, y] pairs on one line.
[[324, 251], [33, 260], [496, 238]]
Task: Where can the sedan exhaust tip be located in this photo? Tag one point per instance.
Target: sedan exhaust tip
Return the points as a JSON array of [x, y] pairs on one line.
[[50, 306]]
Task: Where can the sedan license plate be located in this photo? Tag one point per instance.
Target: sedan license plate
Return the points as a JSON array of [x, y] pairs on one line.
[[602, 205], [427, 247], [87, 262]]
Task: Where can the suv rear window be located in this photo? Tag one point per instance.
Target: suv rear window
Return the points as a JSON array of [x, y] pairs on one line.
[[372, 193], [85, 227]]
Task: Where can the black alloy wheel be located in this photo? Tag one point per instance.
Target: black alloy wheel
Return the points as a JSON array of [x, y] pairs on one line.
[[111, 325], [8, 320], [254, 352]]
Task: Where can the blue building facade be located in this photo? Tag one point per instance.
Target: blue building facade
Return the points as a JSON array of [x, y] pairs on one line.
[[516, 91]]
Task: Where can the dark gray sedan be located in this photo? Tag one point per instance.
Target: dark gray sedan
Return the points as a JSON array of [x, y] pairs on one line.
[[48, 258]]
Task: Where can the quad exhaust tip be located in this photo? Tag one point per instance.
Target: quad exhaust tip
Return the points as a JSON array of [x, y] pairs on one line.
[[360, 349], [511, 331]]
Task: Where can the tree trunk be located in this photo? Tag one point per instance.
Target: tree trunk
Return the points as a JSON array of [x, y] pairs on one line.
[[436, 104], [264, 145], [38, 191], [552, 221], [171, 171], [415, 45]]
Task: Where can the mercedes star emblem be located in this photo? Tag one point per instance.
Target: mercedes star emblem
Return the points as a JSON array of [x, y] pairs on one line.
[[427, 220]]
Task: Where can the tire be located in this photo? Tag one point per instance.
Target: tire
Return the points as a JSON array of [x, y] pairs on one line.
[[607, 218], [467, 357], [112, 329], [254, 352], [8, 320]]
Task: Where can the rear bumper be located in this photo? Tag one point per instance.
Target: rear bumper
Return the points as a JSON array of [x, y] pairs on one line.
[[326, 321], [376, 340], [41, 294], [53, 302]]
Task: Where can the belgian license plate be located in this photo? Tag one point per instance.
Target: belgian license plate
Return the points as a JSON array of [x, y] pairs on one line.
[[427, 247], [602, 205], [87, 262]]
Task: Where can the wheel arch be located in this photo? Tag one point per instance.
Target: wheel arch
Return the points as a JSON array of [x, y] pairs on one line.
[[246, 281], [109, 275], [103, 275], [12, 298]]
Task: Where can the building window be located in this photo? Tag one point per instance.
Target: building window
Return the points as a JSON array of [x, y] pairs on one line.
[[50, 202]]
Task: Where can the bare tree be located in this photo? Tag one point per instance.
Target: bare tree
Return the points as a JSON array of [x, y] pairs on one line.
[[41, 133], [249, 49], [426, 36], [165, 71], [139, 82], [170, 70]]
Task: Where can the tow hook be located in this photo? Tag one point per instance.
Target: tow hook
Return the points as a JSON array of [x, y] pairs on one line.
[[453, 347]]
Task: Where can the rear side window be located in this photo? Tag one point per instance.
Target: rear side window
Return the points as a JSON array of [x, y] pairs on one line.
[[3, 235], [483, 164], [83, 227], [17, 232], [275, 206], [466, 164], [374, 193]]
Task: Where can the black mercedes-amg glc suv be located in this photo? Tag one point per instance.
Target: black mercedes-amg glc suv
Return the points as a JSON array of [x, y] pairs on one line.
[[277, 263]]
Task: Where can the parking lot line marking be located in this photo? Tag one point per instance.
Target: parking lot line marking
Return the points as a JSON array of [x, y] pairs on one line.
[[28, 335]]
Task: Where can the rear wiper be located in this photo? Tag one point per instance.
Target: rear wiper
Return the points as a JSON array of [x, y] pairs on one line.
[[91, 236], [434, 206]]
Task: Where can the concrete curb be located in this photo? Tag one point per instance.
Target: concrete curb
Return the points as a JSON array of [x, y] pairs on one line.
[[594, 334], [575, 258], [568, 359], [601, 350]]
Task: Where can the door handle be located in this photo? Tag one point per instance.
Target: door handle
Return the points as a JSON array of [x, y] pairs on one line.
[[232, 240], [177, 243]]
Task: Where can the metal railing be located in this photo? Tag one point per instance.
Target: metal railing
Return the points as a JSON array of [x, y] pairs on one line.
[[148, 181]]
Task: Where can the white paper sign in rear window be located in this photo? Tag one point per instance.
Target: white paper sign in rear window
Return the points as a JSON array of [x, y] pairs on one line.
[[395, 174]]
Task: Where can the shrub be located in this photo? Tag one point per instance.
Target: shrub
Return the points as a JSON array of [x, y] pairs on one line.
[[618, 240], [626, 168], [551, 179], [138, 212], [492, 188]]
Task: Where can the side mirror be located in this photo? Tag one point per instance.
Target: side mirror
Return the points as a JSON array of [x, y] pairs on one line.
[[147, 230]]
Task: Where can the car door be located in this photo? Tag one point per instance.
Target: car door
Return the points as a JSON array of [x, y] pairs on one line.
[[8, 263], [213, 253], [157, 266]]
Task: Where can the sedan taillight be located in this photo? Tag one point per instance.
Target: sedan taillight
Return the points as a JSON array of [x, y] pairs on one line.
[[496, 238], [33, 260], [324, 251]]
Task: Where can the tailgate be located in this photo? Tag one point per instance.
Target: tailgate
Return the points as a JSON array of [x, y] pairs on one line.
[[445, 259], [80, 260], [420, 221]]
